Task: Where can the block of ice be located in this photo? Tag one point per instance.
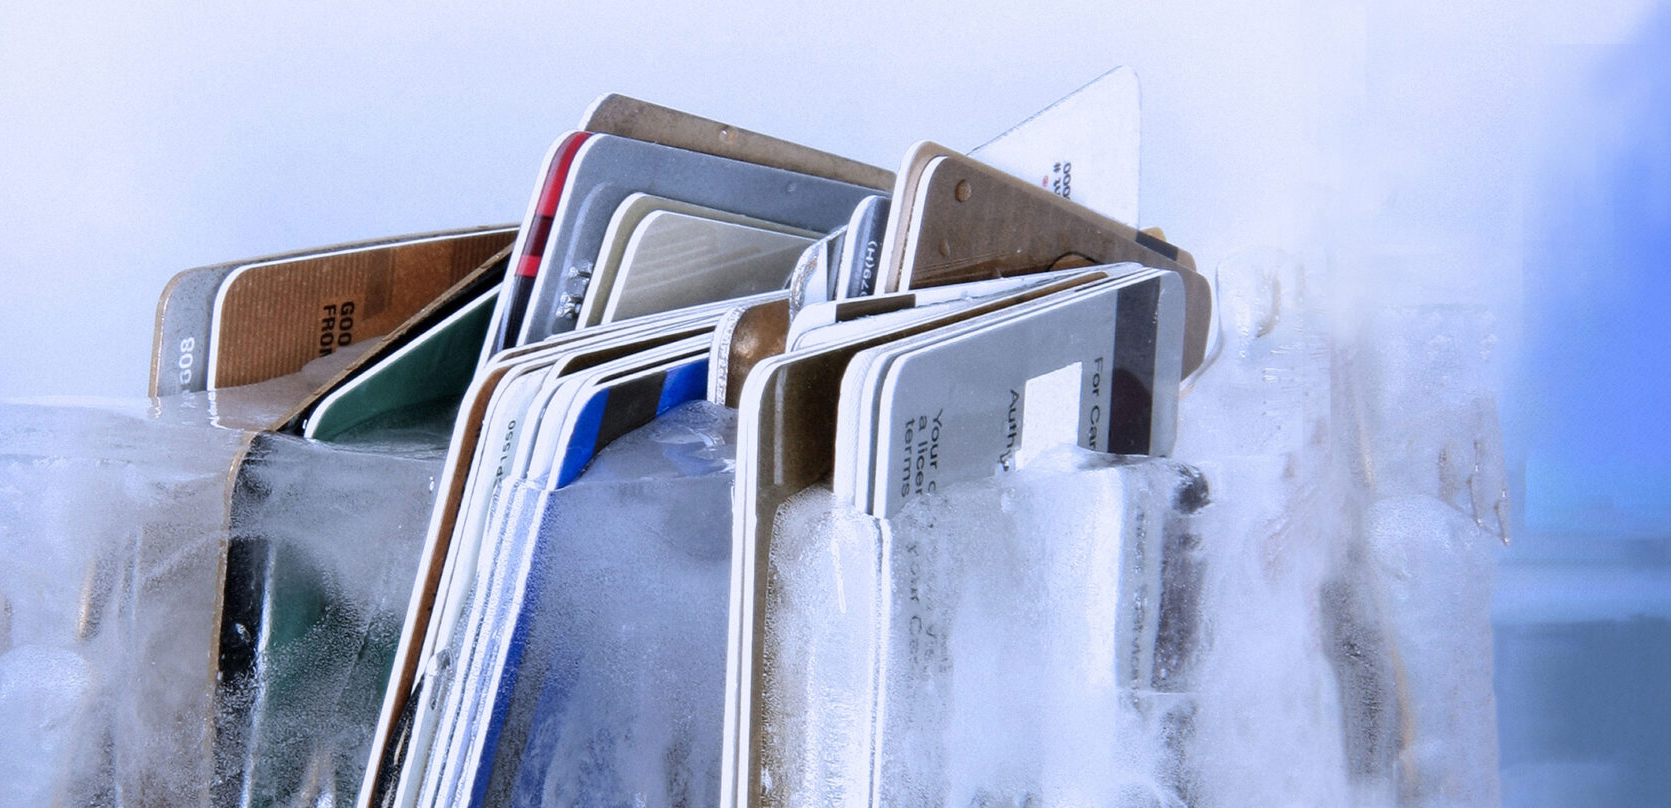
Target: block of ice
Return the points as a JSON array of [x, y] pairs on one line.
[[47, 696], [319, 568], [114, 516], [1357, 473], [1026, 638], [592, 669], [111, 519]]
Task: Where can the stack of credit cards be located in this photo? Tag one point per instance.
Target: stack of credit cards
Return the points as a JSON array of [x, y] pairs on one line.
[[828, 323]]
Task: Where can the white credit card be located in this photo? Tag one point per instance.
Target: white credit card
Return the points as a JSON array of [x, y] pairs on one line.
[[819, 316], [546, 453], [492, 452], [1062, 371], [675, 260], [1083, 147], [625, 222], [856, 409]]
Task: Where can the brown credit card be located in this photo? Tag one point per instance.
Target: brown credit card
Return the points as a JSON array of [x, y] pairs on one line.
[[478, 281], [968, 221], [746, 336], [625, 116], [180, 341], [270, 319], [900, 205]]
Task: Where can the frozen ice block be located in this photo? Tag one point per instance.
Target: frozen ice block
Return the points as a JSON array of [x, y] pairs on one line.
[[111, 516], [629, 595], [319, 566], [1026, 638]]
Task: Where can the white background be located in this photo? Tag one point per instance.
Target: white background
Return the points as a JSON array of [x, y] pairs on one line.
[[137, 140]]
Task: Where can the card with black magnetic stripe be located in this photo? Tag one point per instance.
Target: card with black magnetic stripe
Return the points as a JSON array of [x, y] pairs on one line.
[[615, 411]]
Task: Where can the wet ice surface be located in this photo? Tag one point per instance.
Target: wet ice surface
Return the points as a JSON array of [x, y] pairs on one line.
[[110, 523], [113, 520], [324, 549], [1358, 497], [633, 575], [1007, 641], [1330, 643]]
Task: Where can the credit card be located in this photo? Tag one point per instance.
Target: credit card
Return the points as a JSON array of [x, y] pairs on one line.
[[750, 334], [853, 460], [641, 120], [421, 381], [244, 561], [528, 252], [479, 282], [813, 279], [554, 429], [180, 345], [607, 411], [901, 207], [973, 222], [623, 228], [608, 168], [1098, 367], [513, 390], [674, 260], [745, 336], [494, 389], [272, 318], [1084, 147], [819, 316], [861, 250]]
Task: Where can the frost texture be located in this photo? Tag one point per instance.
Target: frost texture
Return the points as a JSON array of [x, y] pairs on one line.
[[1358, 493], [114, 520], [634, 572], [1294, 610]]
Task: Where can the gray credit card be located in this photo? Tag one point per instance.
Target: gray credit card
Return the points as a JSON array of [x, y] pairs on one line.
[[607, 169], [862, 251]]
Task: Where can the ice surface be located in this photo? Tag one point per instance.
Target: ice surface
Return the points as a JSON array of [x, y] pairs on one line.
[[1014, 641], [1358, 491], [633, 582], [1320, 548], [113, 519], [327, 539], [46, 697], [599, 678]]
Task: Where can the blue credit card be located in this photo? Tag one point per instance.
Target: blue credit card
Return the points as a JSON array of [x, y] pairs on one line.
[[610, 411]]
